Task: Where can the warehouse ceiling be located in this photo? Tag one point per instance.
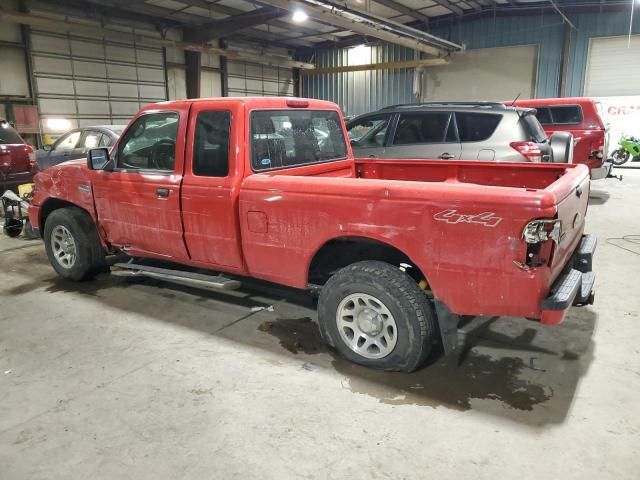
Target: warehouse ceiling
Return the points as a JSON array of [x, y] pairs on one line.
[[323, 22]]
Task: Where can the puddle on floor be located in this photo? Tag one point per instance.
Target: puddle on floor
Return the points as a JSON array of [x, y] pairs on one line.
[[448, 382], [296, 334]]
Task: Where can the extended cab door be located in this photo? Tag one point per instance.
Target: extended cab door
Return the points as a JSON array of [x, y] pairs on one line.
[[429, 135], [138, 203], [211, 185]]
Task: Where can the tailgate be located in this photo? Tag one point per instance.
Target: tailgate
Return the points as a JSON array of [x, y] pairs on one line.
[[572, 197], [14, 158]]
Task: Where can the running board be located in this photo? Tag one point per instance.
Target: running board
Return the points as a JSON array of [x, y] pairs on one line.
[[191, 279]]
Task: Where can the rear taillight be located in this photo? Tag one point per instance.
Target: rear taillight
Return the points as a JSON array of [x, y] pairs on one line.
[[529, 150], [33, 164], [541, 236]]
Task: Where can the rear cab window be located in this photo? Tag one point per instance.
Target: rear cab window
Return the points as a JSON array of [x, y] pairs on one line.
[[476, 127], [291, 138], [560, 115], [8, 136]]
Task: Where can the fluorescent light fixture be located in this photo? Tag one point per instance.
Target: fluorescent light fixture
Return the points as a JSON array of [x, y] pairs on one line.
[[58, 124], [300, 16], [359, 55]]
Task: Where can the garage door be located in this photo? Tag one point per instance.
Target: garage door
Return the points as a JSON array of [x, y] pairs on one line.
[[484, 74], [612, 68], [248, 79], [91, 81]]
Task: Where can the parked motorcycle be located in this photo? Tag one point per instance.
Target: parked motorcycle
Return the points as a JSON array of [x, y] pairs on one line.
[[629, 148]]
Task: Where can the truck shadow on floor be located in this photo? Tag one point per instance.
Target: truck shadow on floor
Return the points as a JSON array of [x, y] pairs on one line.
[[511, 368]]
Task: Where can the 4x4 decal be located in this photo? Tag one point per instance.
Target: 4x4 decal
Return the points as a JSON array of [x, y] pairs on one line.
[[488, 219]]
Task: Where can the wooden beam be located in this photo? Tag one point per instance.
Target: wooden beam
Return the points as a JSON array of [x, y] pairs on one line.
[[80, 29], [429, 62]]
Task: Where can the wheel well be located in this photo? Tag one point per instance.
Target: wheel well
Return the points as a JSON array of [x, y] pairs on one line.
[[340, 252], [54, 204]]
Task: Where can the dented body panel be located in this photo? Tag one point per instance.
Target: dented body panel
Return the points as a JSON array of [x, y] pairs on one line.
[[459, 223]]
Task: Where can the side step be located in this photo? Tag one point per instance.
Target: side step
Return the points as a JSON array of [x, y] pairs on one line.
[[198, 280]]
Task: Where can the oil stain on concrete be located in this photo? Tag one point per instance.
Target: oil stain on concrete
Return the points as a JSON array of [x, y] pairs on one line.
[[445, 383]]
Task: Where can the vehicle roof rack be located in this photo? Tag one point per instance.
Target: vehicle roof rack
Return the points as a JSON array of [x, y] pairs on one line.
[[445, 104]]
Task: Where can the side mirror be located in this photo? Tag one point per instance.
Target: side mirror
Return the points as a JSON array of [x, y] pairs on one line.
[[47, 148], [98, 159]]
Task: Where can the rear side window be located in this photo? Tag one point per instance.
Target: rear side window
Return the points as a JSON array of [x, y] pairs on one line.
[[211, 148], [475, 127], [8, 135], [427, 127], [560, 115], [291, 138]]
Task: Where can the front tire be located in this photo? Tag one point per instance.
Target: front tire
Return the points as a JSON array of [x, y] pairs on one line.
[[619, 157], [375, 315], [72, 244]]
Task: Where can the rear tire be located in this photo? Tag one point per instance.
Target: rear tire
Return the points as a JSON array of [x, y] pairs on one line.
[[72, 244], [375, 315]]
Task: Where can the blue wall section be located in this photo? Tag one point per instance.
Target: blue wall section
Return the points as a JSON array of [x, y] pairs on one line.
[[359, 92]]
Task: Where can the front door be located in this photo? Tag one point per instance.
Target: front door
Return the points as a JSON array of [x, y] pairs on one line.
[[138, 203], [367, 135], [211, 185]]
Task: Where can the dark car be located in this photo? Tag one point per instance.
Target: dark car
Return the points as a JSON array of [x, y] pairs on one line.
[[17, 159], [76, 143]]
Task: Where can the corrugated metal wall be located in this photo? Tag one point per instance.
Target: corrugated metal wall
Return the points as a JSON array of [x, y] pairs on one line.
[[361, 92]]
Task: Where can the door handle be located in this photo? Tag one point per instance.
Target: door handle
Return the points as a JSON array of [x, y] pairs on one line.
[[162, 192], [446, 156]]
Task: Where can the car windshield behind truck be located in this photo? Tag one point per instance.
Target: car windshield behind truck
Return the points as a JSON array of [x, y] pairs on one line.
[[290, 138]]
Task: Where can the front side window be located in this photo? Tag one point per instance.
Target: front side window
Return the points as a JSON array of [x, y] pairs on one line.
[[91, 140], [426, 127], [150, 143], [211, 145], [68, 142], [368, 132], [476, 127], [289, 138]]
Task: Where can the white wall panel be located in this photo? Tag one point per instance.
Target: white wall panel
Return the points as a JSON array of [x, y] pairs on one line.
[[13, 72], [248, 79], [210, 84], [177, 83], [92, 79], [484, 74], [608, 56]]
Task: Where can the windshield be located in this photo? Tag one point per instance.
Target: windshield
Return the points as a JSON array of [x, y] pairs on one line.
[[8, 135], [290, 138]]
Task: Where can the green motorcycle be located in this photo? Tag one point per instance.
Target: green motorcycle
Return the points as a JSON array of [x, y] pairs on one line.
[[630, 148]]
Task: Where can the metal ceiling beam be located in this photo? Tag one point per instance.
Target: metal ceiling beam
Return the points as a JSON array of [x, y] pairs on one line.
[[370, 25], [228, 26], [450, 6], [61, 25], [398, 7]]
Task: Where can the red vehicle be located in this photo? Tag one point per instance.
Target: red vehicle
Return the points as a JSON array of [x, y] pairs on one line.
[[579, 116], [268, 188], [17, 159]]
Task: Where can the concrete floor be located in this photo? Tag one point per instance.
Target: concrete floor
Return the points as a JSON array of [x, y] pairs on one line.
[[116, 380]]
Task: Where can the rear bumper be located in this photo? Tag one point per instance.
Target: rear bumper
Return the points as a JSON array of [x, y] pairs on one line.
[[601, 172], [574, 286]]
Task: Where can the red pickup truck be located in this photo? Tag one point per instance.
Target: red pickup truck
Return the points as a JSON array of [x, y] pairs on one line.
[[268, 188], [579, 116]]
